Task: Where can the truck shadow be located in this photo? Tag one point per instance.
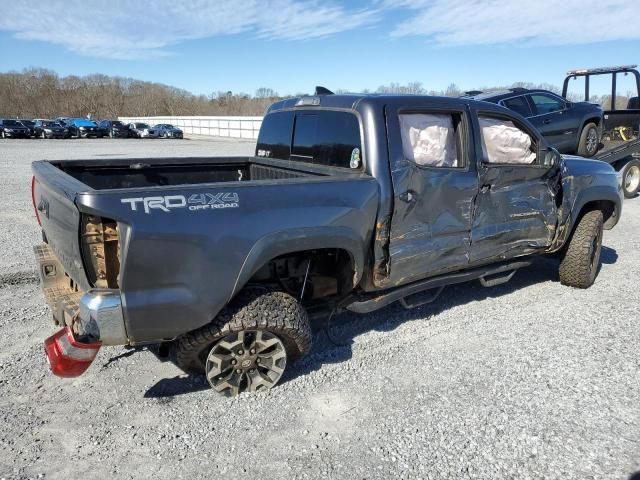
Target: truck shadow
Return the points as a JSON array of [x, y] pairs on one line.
[[336, 346]]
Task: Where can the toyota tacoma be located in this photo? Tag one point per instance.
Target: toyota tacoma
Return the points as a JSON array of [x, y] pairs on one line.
[[350, 202]]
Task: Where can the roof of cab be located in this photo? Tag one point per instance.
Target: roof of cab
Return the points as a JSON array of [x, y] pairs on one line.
[[354, 101]]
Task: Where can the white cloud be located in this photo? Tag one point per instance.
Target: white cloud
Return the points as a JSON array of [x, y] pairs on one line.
[[134, 29], [542, 22]]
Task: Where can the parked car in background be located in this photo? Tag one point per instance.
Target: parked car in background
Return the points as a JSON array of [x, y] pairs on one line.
[[30, 124], [165, 130], [139, 130], [65, 122], [13, 129], [49, 129], [571, 127], [114, 128], [83, 128]]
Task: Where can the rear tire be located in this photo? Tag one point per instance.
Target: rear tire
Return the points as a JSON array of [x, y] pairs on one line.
[[589, 140], [631, 178], [581, 258], [275, 314]]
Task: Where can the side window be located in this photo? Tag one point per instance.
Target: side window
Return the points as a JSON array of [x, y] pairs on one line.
[[505, 143], [518, 104], [547, 104], [326, 137], [274, 139], [431, 139]]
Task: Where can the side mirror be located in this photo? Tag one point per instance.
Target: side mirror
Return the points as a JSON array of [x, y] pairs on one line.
[[551, 157]]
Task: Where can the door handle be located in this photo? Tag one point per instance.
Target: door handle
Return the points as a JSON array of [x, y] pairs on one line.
[[546, 121], [485, 188], [407, 196]]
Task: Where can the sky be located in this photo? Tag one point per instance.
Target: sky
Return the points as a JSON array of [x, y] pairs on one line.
[[293, 45]]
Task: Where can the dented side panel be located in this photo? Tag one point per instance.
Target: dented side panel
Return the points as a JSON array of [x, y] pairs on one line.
[[516, 212], [433, 210]]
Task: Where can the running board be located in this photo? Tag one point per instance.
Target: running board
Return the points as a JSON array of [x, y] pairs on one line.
[[377, 300], [421, 298]]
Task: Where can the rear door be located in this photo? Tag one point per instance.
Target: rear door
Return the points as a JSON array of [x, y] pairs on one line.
[[435, 183], [515, 210], [554, 120]]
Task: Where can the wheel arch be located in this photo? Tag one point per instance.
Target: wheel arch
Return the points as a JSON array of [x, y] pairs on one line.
[[299, 241]]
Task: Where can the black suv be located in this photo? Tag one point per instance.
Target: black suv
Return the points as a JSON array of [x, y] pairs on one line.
[[13, 128], [114, 128], [571, 127]]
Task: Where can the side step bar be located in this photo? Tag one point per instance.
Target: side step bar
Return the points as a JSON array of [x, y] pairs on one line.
[[489, 276]]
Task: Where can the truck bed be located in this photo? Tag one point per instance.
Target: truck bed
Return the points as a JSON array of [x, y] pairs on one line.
[[174, 237], [135, 173]]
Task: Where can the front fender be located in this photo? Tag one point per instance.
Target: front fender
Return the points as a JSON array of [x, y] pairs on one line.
[[587, 182], [301, 239]]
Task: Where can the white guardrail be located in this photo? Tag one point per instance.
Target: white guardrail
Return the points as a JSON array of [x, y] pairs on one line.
[[235, 127]]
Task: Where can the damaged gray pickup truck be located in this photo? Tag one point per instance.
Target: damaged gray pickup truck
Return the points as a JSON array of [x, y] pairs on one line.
[[351, 202]]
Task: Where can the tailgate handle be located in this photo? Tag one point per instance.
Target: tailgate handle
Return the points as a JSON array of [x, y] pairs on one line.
[[43, 207]]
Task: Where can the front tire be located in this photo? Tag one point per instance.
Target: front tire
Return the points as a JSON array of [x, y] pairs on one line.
[[260, 330], [631, 178], [581, 258], [589, 140]]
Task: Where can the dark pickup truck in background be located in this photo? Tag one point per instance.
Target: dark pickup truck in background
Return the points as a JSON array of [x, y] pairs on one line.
[[351, 202]]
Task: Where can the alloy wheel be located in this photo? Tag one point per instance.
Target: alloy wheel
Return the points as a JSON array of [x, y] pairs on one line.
[[248, 360], [592, 140], [632, 179]]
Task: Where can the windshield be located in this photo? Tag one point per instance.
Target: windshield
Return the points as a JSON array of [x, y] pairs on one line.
[[28, 123], [51, 124], [142, 125], [11, 123], [118, 124]]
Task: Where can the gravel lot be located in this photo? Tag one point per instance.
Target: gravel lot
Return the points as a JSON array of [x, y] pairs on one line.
[[526, 380]]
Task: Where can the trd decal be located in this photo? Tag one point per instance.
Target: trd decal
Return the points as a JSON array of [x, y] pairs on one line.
[[195, 202]]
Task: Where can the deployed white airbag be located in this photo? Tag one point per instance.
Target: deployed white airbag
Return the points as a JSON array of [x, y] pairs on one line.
[[429, 139], [505, 143]]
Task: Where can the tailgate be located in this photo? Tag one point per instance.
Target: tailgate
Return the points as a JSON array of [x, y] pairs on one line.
[[54, 194]]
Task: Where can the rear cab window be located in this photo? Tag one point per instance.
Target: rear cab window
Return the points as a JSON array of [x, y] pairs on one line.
[[432, 139], [321, 137]]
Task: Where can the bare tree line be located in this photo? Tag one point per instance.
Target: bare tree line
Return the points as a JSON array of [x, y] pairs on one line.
[[40, 93]]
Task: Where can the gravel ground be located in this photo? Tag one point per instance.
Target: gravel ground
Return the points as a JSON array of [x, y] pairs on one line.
[[526, 380]]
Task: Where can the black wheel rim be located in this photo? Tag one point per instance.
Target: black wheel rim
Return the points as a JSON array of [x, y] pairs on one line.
[[248, 360]]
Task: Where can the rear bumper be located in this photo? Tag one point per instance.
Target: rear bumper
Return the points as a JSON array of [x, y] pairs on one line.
[[93, 316]]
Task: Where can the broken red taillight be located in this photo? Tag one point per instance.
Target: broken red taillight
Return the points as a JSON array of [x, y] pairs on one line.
[[66, 356], [33, 199]]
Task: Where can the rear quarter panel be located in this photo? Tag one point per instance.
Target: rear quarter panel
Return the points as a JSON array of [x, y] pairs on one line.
[[180, 267]]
